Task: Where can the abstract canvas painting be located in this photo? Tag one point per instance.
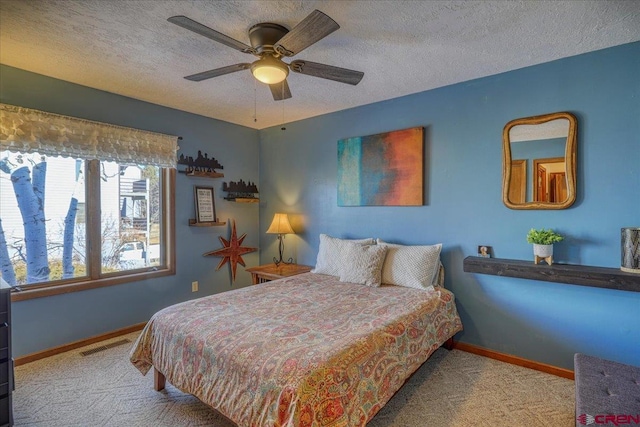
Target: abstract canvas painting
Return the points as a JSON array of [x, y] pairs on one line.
[[382, 170]]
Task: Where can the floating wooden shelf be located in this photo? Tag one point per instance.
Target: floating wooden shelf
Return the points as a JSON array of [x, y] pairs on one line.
[[203, 174], [599, 277], [194, 223], [243, 199]]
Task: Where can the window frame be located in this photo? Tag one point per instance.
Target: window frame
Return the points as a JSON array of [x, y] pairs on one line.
[[96, 279]]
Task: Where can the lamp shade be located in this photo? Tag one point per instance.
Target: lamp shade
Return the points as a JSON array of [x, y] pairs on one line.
[[269, 70], [280, 225]]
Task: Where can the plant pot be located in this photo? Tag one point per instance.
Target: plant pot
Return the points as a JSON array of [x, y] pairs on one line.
[[543, 253]]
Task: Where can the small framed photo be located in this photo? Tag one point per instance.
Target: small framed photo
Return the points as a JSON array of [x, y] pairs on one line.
[[484, 251], [205, 204]]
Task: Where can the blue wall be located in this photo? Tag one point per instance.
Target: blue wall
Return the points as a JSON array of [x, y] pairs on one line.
[[463, 208], [44, 323], [541, 321]]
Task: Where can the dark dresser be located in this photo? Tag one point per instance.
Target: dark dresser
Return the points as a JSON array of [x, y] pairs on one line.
[[6, 362]]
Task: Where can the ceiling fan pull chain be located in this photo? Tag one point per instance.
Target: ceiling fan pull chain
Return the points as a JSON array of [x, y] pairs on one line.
[[255, 102], [283, 127]]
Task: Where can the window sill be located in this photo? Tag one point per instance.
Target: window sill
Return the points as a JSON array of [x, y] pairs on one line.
[[84, 285]]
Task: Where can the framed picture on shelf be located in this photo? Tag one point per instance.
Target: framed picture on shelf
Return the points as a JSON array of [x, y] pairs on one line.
[[205, 204], [484, 251]]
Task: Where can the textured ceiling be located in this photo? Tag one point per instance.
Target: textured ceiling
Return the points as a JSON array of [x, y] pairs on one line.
[[403, 47]]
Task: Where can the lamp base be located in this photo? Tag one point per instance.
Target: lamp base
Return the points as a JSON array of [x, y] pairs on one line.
[[277, 262]]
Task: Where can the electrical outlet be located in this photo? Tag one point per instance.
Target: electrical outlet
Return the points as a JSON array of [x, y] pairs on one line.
[[194, 286]]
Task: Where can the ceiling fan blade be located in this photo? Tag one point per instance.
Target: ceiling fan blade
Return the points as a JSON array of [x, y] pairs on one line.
[[203, 30], [217, 72], [280, 91], [314, 27], [324, 71]]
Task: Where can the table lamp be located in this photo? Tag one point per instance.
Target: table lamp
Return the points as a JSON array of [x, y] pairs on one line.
[[281, 226]]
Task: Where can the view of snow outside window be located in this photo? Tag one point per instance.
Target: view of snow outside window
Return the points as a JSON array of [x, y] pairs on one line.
[[43, 212]]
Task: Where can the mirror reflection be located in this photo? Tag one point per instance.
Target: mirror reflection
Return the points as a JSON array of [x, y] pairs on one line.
[[539, 162]]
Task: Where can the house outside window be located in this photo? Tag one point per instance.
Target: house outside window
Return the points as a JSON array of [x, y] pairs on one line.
[[81, 221]]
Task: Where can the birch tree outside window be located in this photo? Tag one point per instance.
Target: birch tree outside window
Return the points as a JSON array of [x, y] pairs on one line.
[[83, 204]]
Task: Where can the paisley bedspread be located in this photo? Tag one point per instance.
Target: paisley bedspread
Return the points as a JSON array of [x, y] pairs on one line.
[[301, 351]]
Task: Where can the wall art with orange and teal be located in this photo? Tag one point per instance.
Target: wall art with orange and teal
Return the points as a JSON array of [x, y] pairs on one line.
[[386, 169]]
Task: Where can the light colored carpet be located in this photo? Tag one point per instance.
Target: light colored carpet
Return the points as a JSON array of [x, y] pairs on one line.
[[452, 388]]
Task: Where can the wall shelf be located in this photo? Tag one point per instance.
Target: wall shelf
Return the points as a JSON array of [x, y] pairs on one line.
[[243, 199], [203, 174], [194, 223], [599, 277]]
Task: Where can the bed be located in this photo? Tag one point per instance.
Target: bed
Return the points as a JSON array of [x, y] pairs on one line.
[[308, 350]]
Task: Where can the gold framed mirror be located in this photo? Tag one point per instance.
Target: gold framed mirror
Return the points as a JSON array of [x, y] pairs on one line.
[[539, 162]]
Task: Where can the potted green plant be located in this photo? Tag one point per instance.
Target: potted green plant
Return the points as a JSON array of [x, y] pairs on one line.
[[543, 240]]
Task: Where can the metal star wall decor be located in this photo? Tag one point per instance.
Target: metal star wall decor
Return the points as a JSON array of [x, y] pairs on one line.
[[231, 251]]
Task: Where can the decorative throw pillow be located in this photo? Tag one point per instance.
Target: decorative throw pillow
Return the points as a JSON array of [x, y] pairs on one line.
[[411, 266], [331, 254], [363, 264]]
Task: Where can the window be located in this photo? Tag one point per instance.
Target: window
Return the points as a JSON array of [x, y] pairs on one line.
[[131, 217], [44, 226], [78, 222]]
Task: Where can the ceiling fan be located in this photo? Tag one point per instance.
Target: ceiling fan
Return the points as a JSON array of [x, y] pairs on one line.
[[271, 42]]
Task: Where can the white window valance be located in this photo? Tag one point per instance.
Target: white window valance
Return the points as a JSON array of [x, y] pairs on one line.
[[26, 130]]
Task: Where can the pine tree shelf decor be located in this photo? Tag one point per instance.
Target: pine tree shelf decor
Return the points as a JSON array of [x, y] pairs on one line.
[[241, 192], [201, 166]]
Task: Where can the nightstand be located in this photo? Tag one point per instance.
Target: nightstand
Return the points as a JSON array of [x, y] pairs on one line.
[[267, 272]]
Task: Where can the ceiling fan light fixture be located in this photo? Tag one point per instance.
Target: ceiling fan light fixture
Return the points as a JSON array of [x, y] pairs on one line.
[[271, 42], [269, 70]]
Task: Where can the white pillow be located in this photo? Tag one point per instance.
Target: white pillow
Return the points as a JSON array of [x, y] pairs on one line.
[[331, 256], [411, 266], [363, 264]]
